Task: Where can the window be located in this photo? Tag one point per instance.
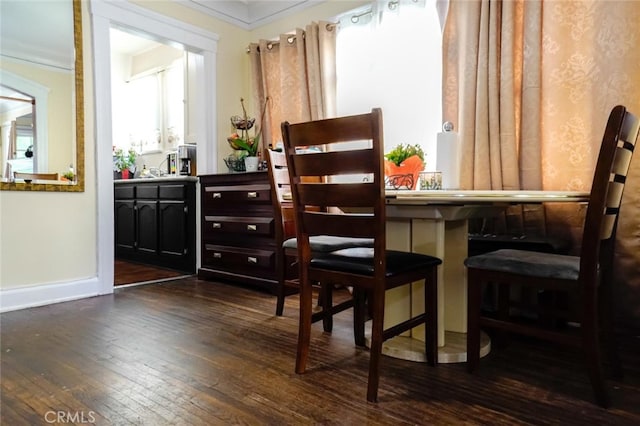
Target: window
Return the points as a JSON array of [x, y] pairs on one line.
[[155, 109], [392, 59]]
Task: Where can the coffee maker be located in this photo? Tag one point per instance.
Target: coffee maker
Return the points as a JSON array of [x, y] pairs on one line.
[[187, 160]]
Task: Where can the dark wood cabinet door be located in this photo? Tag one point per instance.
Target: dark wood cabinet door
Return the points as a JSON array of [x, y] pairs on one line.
[[147, 214], [125, 238], [172, 221]]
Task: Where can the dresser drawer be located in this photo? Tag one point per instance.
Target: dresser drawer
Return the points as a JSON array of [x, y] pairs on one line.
[[233, 257], [172, 192], [214, 196], [147, 191], [213, 225], [122, 192]]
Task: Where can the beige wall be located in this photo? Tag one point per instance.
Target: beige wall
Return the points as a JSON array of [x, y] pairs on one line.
[[60, 153], [48, 238]]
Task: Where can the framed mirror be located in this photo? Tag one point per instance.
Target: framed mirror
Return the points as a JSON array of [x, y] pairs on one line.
[[41, 96]]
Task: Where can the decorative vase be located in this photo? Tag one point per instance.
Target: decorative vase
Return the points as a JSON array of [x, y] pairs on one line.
[[125, 173], [404, 176], [251, 164]]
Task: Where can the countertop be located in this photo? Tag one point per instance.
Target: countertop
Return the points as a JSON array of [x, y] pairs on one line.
[[162, 179]]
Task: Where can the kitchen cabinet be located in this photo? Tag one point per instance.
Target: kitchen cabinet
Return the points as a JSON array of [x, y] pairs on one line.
[[155, 222], [237, 229]]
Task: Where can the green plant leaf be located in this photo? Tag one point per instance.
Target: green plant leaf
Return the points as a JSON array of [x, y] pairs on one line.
[[401, 152]]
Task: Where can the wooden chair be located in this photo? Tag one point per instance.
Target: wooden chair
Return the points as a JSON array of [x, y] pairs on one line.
[[355, 210], [586, 278], [28, 177], [287, 247]]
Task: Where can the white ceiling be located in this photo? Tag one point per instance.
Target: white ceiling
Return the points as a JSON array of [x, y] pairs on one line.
[[249, 14], [37, 31]]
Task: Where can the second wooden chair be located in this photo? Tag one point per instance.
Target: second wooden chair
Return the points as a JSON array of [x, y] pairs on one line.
[[287, 245]]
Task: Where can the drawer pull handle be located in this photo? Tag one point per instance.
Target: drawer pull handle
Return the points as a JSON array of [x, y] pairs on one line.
[[253, 260], [252, 227], [252, 195], [217, 225], [217, 195], [217, 255]]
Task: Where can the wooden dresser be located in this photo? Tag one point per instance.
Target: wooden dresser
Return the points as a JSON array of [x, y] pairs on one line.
[[237, 229]]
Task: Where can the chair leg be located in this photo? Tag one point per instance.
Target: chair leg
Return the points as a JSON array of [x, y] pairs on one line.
[[609, 341], [304, 328], [359, 316], [591, 344], [474, 301], [280, 291], [280, 298], [375, 351], [501, 337], [326, 296], [431, 309]]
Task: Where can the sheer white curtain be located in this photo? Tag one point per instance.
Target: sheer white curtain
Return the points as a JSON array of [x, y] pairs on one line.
[[389, 55]]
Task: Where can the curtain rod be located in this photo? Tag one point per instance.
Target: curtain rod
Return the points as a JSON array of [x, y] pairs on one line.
[[291, 38], [392, 5]]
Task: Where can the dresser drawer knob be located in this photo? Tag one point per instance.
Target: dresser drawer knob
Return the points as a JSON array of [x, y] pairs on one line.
[[217, 225], [217, 255], [253, 260], [252, 195], [217, 195], [252, 227]]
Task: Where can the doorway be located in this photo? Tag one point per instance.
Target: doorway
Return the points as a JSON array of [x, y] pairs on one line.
[[148, 115], [201, 47]]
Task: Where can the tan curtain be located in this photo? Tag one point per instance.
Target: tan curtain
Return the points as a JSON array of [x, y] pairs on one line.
[[530, 85], [297, 74]]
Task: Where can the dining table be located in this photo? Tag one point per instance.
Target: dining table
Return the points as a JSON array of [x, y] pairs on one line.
[[435, 222]]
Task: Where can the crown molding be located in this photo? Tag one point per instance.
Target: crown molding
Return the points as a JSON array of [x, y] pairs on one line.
[[249, 14]]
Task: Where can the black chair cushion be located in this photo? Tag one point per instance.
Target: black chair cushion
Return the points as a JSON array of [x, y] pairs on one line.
[[360, 261], [530, 263], [329, 243]]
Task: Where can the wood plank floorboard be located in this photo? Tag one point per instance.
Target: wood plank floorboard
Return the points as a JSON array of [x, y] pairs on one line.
[[126, 272], [192, 352]]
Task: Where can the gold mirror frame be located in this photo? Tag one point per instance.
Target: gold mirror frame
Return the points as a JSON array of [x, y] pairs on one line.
[[78, 186]]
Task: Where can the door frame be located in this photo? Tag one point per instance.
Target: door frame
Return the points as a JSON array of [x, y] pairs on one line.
[[204, 45]]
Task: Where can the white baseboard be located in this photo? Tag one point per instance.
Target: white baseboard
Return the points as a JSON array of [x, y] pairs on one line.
[[28, 297]]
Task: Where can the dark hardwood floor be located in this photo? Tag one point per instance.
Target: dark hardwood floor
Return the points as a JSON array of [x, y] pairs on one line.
[[190, 352], [126, 272]]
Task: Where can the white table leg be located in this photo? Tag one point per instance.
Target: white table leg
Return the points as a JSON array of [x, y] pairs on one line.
[[448, 241]]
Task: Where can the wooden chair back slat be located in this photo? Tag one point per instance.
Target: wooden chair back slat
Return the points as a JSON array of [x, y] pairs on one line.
[[35, 176], [350, 225], [342, 129], [338, 195], [332, 163]]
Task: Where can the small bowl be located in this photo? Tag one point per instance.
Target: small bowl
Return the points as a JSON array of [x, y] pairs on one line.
[[242, 124]]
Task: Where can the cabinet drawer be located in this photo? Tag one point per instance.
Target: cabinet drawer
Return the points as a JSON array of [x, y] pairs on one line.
[[121, 192], [223, 195], [238, 225], [172, 192], [230, 257], [147, 191]]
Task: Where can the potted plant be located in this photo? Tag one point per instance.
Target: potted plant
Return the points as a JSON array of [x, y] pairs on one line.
[[69, 176], [403, 165], [124, 162], [240, 140]]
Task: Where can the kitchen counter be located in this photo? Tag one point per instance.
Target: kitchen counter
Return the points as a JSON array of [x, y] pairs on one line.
[[177, 178]]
